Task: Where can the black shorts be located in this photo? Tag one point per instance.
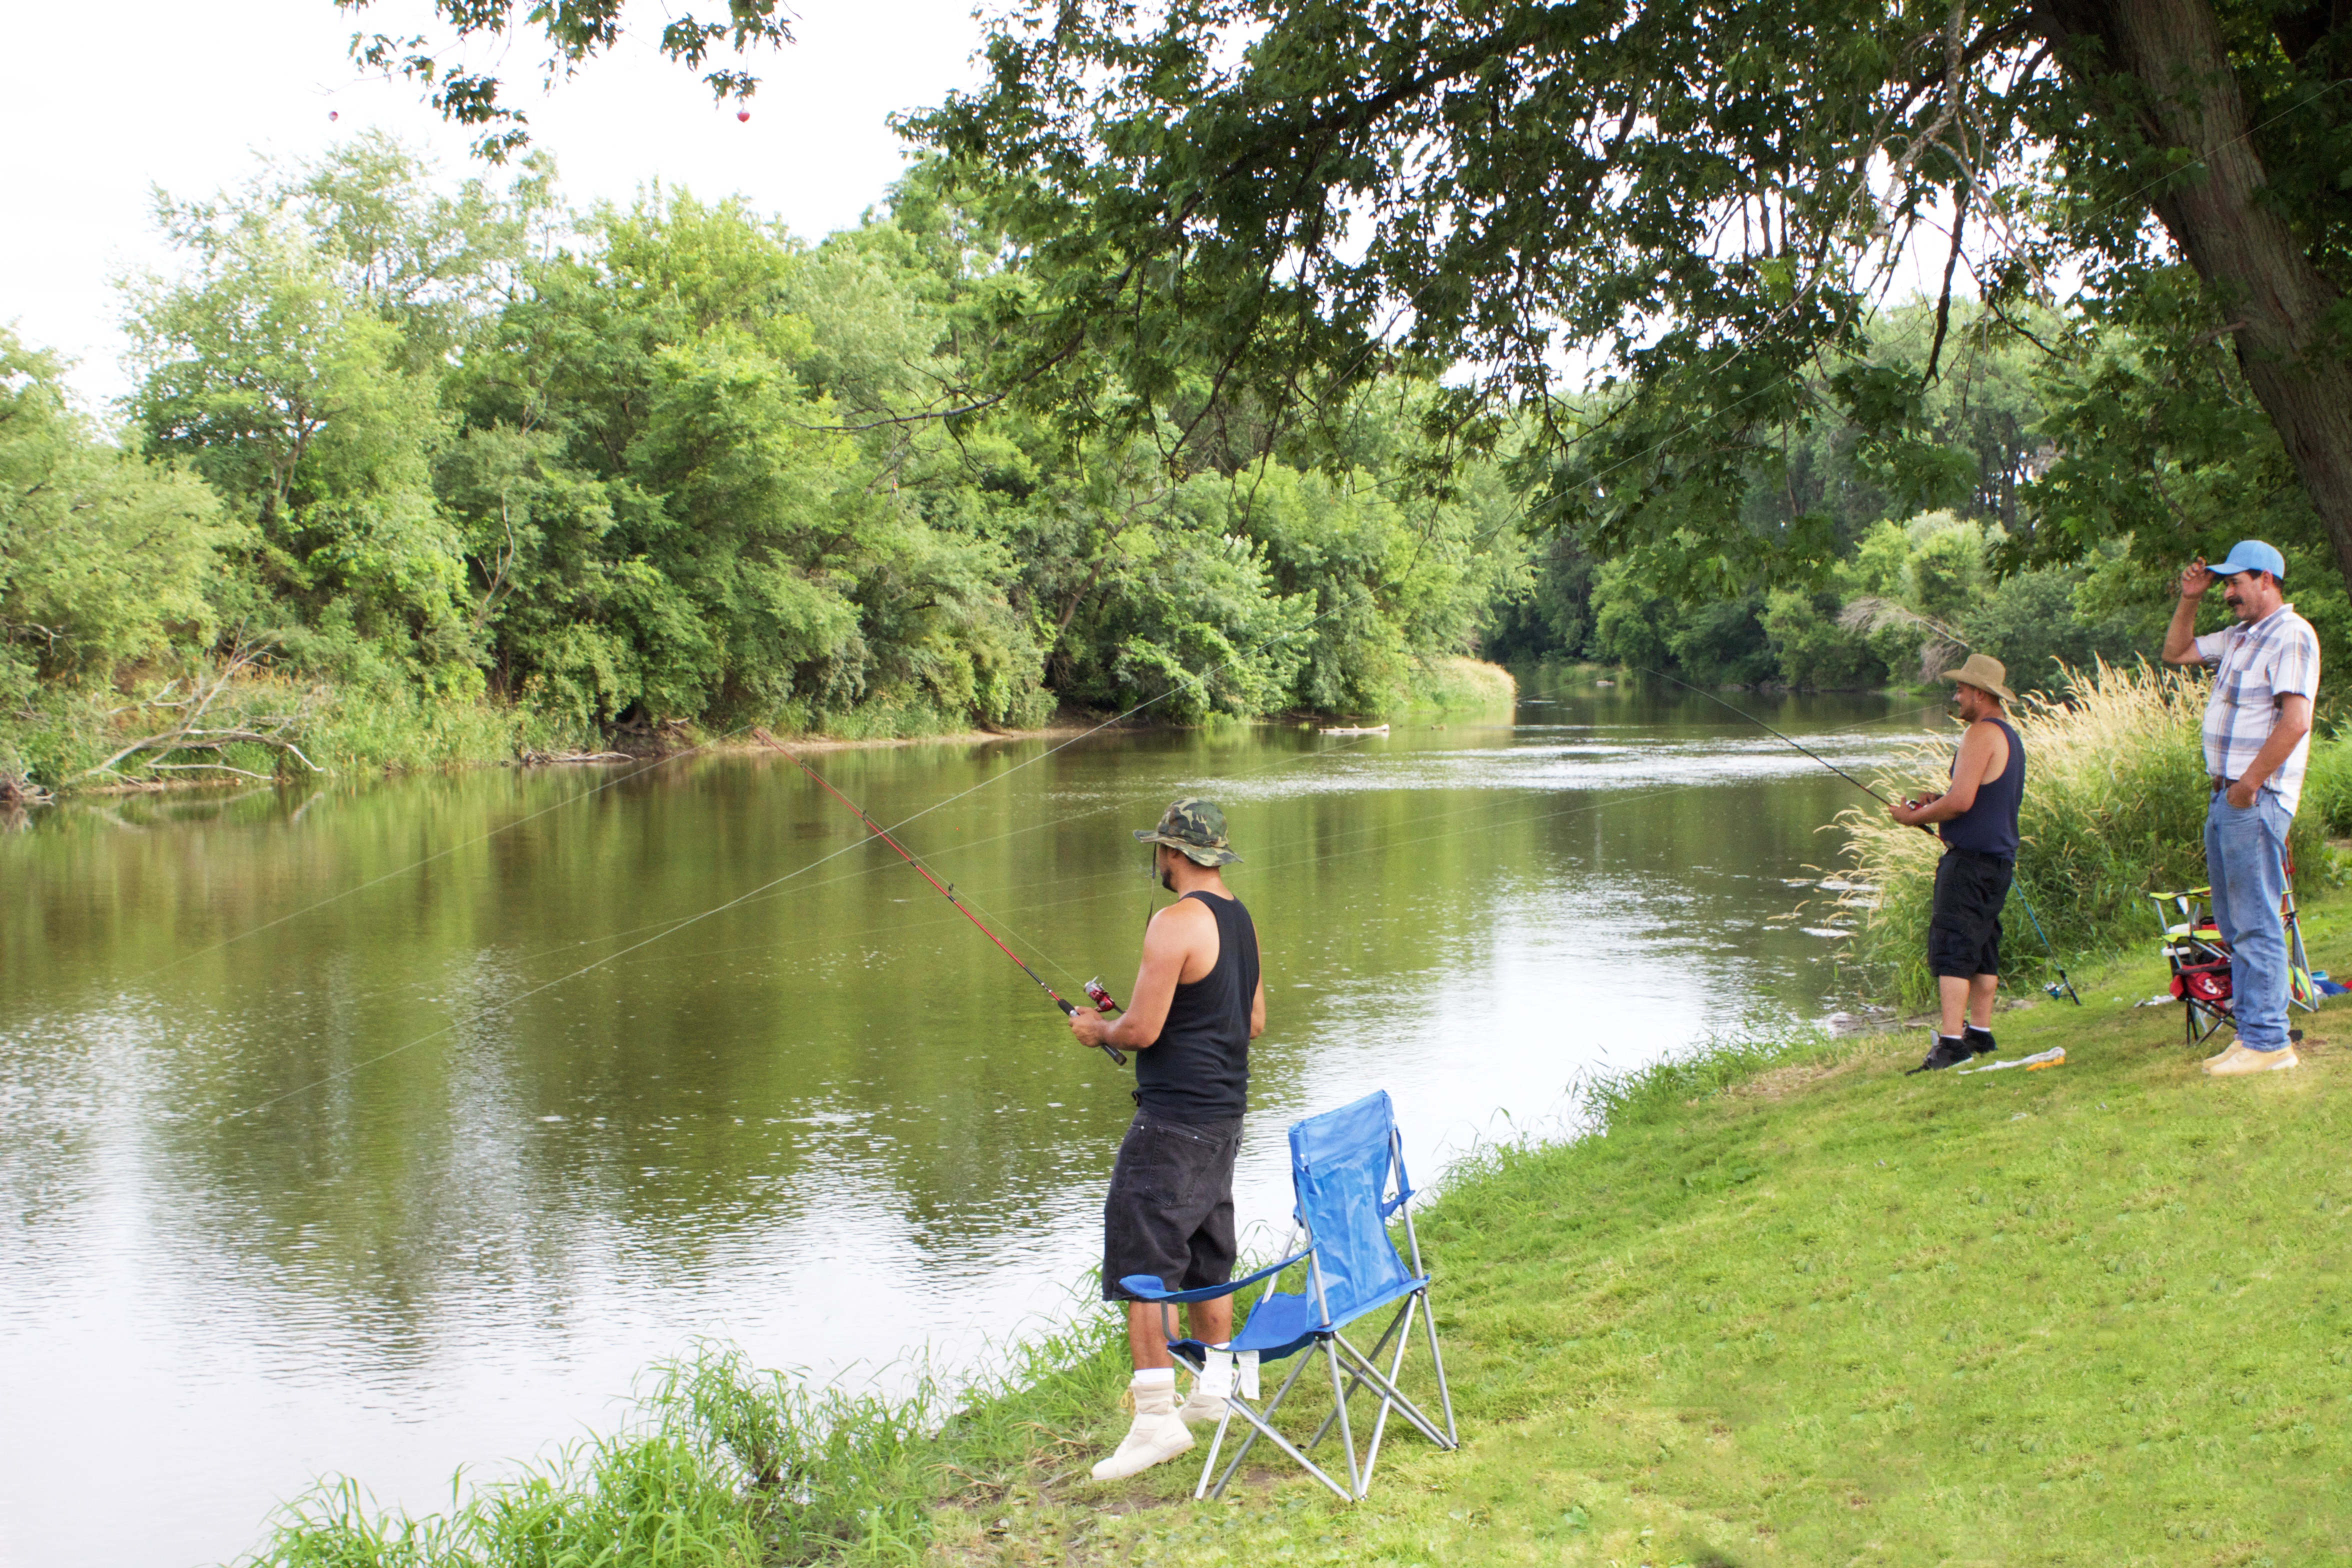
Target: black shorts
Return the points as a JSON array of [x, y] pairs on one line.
[[1170, 1209], [1964, 932]]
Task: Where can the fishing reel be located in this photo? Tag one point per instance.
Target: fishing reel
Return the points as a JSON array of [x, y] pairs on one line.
[[1100, 995]]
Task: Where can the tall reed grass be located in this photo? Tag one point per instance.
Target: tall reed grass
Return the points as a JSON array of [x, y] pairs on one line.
[[2115, 806], [1453, 683]]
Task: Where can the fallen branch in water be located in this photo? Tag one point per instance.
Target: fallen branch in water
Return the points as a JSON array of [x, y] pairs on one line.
[[546, 759], [17, 790], [189, 732]]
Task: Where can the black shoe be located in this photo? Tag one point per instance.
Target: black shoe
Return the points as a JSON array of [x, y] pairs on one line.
[[1979, 1041], [1949, 1052]]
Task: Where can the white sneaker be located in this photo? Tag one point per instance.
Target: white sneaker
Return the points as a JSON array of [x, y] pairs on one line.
[[1202, 1408], [1159, 1434], [2239, 1061]]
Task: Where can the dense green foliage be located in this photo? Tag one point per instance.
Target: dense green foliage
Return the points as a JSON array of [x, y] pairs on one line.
[[2020, 428], [445, 462], [664, 466], [1707, 201]]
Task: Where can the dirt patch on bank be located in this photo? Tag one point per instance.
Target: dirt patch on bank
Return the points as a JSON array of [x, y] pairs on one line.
[[1777, 1084]]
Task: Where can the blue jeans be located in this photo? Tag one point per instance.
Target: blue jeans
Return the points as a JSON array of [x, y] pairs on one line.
[[2244, 860]]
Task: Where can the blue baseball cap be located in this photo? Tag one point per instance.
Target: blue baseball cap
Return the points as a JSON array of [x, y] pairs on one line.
[[2251, 555]]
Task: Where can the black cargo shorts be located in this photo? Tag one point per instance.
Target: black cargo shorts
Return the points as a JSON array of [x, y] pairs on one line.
[[1964, 932], [1169, 1213]]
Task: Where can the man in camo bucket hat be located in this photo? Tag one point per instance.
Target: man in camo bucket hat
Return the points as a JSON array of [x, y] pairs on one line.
[[1197, 1003], [1196, 830]]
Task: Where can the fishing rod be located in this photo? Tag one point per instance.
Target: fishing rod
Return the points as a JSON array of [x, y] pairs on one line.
[[2065, 986], [1095, 989]]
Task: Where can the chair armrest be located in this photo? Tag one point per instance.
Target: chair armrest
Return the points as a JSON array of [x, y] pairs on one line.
[[1147, 1288]]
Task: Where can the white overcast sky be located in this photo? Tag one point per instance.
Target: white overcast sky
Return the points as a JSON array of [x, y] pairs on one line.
[[100, 104]]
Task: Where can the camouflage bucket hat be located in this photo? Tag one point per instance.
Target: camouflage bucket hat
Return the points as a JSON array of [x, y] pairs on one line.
[[1194, 827]]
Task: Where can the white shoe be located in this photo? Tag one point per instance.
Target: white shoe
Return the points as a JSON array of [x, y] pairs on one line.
[[1202, 1409], [2239, 1061], [1159, 1434]]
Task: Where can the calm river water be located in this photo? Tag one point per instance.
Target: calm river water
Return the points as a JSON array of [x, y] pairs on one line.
[[397, 1128]]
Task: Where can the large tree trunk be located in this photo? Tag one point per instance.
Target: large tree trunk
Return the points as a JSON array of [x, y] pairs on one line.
[[2187, 99]]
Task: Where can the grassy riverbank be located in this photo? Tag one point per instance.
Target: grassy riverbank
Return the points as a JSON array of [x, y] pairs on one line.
[[1830, 1313], [1792, 1307]]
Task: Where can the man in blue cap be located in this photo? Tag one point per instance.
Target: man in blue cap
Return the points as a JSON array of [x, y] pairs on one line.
[[2257, 739]]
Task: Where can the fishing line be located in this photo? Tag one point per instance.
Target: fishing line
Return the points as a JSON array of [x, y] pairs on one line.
[[947, 891], [512, 1001], [1116, 803], [1768, 729], [1611, 799], [436, 854], [664, 926], [508, 1004], [896, 929]]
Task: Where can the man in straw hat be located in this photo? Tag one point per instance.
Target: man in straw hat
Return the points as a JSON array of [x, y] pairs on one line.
[[1978, 813], [2257, 738], [1197, 1004]]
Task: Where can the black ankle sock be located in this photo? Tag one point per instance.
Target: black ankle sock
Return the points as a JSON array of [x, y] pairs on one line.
[[1977, 1040]]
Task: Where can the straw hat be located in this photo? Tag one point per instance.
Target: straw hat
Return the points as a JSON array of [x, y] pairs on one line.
[[1984, 674]]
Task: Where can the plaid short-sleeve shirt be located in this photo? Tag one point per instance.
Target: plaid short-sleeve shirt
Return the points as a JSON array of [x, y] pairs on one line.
[[2254, 666]]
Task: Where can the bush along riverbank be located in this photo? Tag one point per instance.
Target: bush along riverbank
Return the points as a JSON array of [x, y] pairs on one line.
[[1784, 1305]]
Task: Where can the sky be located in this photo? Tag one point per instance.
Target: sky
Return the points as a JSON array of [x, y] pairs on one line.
[[190, 90]]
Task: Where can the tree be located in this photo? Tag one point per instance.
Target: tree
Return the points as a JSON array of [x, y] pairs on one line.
[[296, 366], [105, 558], [1704, 197]]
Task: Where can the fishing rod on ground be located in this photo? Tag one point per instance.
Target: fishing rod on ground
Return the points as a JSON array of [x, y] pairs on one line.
[[1095, 989], [2063, 987]]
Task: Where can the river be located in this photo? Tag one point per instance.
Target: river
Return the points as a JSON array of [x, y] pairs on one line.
[[398, 1127]]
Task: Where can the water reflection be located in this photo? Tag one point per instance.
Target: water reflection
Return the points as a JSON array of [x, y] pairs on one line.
[[422, 1174]]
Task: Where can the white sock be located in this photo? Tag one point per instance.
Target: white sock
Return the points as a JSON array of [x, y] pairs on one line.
[[1153, 1377]]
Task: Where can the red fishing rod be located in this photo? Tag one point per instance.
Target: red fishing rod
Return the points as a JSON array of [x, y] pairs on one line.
[[1101, 997]]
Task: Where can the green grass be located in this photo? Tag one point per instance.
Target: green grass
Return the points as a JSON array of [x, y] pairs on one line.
[[1789, 1307], [1830, 1314]]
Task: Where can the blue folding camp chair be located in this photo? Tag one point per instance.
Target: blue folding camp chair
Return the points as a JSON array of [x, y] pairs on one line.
[[1340, 1165]]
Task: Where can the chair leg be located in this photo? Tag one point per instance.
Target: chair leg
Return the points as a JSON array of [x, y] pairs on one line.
[[1396, 1365], [1437, 1364], [1356, 1381], [1347, 1439], [1263, 1424], [1209, 1464], [1365, 1369], [1391, 1395]]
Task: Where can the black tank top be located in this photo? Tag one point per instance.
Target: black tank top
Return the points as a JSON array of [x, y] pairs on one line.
[[1198, 1070], [1989, 826]]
